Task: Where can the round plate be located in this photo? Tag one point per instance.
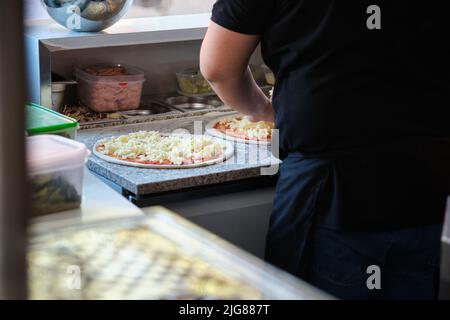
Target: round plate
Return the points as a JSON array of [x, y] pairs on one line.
[[228, 153], [218, 134]]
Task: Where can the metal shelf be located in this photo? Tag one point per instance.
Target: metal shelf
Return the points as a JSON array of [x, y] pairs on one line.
[[43, 38], [125, 32]]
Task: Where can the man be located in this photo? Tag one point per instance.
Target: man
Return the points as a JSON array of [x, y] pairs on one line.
[[362, 102]]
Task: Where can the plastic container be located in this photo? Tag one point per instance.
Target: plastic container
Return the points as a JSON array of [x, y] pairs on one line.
[[192, 82], [41, 120], [107, 91], [55, 165], [59, 92]]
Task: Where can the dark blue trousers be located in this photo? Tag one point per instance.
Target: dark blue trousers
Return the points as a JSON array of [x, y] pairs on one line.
[[341, 261], [408, 261]]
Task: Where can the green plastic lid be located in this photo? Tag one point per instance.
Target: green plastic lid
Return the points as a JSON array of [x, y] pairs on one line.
[[42, 120]]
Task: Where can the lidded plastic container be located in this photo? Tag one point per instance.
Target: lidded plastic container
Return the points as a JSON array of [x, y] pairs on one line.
[[109, 87], [192, 82], [41, 120], [55, 166]]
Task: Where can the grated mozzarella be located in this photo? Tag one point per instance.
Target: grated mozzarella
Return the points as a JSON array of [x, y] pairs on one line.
[[151, 146], [255, 130]]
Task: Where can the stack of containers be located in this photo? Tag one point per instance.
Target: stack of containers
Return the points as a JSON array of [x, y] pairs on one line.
[[55, 165]]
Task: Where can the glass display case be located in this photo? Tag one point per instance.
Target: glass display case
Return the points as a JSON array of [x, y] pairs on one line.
[[159, 256]]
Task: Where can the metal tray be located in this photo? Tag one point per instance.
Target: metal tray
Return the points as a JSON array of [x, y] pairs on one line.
[[149, 106], [194, 103]]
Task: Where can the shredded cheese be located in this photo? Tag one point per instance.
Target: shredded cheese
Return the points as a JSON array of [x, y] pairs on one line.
[[254, 130], [150, 146]]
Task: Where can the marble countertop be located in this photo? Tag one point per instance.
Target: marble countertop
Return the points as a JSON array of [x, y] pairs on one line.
[[246, 163]]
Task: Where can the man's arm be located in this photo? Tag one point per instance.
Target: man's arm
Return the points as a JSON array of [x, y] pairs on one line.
[[224, 62]]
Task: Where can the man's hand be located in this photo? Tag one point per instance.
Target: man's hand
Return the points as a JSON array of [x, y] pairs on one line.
[[224, 60]]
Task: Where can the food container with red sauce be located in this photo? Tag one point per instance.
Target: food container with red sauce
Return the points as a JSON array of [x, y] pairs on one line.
[[109, 87]]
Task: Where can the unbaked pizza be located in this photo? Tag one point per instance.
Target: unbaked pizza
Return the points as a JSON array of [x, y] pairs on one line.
[[240, 128], [154, 150]]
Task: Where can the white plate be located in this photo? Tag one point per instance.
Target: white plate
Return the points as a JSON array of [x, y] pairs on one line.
[[218, 134], [228, 153]]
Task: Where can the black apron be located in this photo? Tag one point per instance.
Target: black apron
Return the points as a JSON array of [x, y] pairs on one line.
[[381, 188]]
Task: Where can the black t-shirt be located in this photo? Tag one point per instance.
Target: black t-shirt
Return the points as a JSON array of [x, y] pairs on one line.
[[341, 85], [368, 100]]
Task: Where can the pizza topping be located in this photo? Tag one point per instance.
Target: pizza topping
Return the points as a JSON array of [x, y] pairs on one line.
[[151, 148], [243, 127]]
